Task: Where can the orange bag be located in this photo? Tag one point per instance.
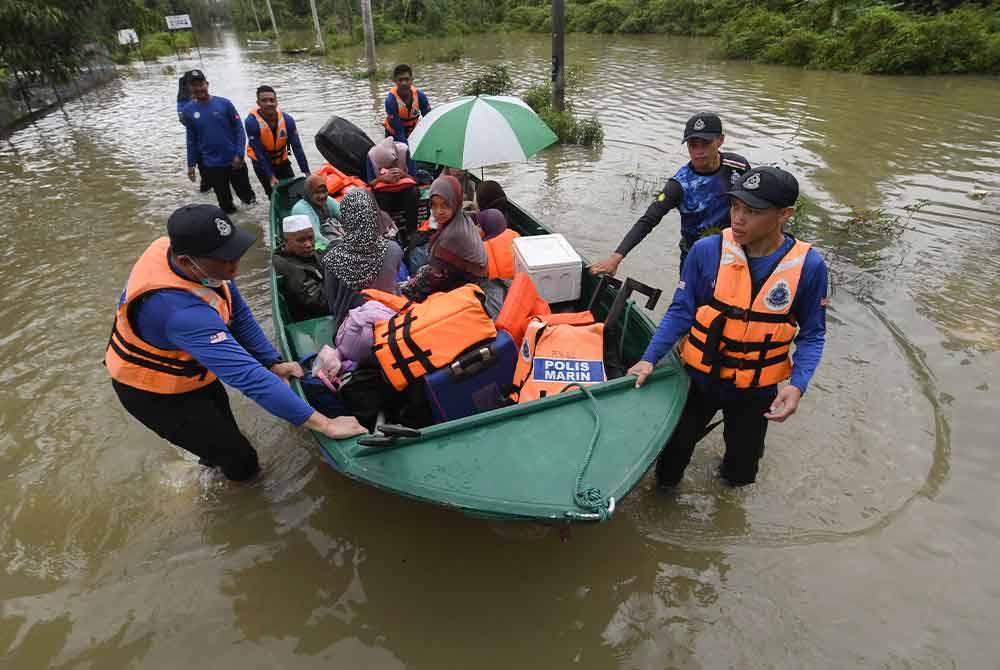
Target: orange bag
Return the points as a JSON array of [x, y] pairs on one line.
[[337, 182], [432, 334], [522, 302]]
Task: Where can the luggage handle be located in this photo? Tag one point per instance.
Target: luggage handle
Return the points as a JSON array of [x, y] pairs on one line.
[[628, 287], [471, 363]]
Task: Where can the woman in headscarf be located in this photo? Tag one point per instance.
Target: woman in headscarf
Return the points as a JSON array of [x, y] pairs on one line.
[[322, 210], [363, 258], [457, 255], [389, 171], [489, 195]]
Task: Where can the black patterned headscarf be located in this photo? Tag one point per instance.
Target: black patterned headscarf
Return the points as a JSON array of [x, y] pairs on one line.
[[357, 257]]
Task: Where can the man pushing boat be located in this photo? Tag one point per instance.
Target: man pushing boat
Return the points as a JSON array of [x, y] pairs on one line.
[[182, 326], [745, 295]]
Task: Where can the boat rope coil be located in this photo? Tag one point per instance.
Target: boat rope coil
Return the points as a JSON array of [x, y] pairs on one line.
[[591, 499]]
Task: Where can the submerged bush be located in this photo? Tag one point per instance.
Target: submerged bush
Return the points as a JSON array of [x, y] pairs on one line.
[[495, 81]]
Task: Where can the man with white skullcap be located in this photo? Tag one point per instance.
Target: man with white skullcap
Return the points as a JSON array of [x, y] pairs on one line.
[[298, 262]]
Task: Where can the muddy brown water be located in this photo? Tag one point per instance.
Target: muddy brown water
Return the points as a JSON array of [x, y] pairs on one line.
[[870, 539]]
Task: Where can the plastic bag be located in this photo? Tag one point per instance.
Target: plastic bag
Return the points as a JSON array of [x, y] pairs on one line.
[[327, 366]]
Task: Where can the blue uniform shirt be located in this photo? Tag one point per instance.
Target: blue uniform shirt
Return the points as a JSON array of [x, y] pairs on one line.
[[214, 132], [175, 319], [697, 286], [253, 137], [704, 203], [392, 113]]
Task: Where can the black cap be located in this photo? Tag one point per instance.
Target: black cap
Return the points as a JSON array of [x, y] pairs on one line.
[[704, 125], [767, 188], [204, 231], [195, 75]]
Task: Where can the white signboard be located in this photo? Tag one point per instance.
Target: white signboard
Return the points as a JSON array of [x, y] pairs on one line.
[[127, 36], [178, 22]]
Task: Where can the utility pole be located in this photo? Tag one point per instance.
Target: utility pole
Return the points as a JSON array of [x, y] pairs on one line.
[[320, 42], [558, 55], [255, 18], [274, 24], [366, 18]]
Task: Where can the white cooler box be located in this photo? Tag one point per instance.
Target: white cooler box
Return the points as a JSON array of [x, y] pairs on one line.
[[554, 267]]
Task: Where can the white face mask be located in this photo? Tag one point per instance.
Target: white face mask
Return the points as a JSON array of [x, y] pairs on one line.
[[205, 279]]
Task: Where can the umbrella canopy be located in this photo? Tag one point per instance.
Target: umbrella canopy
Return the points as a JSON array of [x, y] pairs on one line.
[[473, 132]]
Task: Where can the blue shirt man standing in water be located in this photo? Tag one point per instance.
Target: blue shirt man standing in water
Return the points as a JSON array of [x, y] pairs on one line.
[[744, 295], [216, 139], [697, 191]]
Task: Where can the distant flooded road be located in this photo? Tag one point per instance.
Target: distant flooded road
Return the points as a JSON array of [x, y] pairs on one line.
[[870, 540]]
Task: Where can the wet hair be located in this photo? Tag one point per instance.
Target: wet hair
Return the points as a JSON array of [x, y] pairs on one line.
[[265, 89], [402, 68]]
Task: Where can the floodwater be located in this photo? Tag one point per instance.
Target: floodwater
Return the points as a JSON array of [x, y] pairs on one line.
[[871, 538]]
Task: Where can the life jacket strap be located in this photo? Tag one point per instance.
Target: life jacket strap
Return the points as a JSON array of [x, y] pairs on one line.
[[152, 361], [404, 332]]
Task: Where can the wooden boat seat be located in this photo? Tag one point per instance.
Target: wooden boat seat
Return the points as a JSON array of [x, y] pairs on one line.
[[308, 337]]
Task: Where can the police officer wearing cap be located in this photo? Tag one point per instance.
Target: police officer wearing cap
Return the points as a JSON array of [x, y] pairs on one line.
[[697, 191], [745, 296], [182, 326]]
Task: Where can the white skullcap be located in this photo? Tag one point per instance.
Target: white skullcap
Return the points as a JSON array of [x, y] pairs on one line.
[[295, 223]]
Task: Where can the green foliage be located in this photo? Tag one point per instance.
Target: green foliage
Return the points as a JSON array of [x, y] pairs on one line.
[[567, 127], [495, 81], [599, 16]]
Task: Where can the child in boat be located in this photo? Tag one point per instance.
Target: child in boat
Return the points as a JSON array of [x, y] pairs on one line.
[[456, 252]]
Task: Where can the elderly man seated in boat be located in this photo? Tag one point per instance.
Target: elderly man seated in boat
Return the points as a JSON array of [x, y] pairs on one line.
[[299, 263]]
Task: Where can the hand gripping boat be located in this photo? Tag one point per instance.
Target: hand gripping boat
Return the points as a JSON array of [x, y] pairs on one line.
[[562, 459]]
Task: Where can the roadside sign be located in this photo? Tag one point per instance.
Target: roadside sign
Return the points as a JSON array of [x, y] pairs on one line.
[[178, 22], [128, 36]]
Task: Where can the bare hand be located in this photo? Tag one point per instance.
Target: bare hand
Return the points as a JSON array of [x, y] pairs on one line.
[[641, 370], [394, 175], [274, 181], [342, 427], [609, 266], [785, 404], [191, 173], [287, 370], [237, 162]]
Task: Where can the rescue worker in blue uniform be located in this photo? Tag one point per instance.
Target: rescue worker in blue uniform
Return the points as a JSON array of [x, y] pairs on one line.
[[270, 132], [183, 98], [744, 297], [182, 326], [697, 191], [404, 105], [216, 139]]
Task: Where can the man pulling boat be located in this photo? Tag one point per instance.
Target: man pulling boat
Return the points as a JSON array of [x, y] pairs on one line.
[[745, 295], [182, 326]]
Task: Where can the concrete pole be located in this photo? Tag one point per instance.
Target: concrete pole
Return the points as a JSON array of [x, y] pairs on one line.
[[558, 55], [320, 42], [274, 24], [366, 18]]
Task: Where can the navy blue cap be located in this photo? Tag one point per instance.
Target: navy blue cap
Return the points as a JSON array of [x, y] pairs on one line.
[[766, 188], [703, 125], [204, 231]]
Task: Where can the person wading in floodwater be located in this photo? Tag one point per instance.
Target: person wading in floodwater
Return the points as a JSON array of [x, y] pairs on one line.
[[270, 132], [181, 326], [216, 139], [697, 190], [744, 296]]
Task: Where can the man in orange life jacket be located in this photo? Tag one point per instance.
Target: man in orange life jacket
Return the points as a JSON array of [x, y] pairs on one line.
[[404, 105], [182, 326], [744, 296], [269, 134]]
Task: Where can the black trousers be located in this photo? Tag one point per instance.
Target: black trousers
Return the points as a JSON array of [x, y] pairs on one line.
[[401, 201], [281, 171], [745, 428], [224, 176], [201, 422]]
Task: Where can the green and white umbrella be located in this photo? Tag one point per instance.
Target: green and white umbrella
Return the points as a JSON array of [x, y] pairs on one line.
[[472, 132]]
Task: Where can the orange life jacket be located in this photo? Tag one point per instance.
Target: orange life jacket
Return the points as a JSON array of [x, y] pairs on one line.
[[408, 114], [554, 355], [276, 147], [522, 302], [500, 255], [337, 182], [432, 334], [134, 362], [742, 335], [390, 300]]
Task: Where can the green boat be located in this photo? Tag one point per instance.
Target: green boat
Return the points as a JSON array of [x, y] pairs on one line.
[[522, 462]]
